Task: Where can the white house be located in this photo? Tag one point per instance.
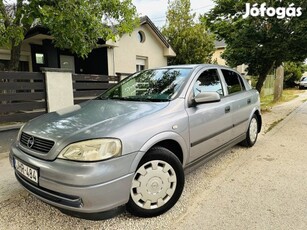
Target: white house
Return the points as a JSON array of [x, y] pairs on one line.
[[145, 48]]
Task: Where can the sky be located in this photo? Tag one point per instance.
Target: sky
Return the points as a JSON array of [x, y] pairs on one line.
[[156, 9]]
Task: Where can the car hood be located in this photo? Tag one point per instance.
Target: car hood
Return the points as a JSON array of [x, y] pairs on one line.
[[96, 118]]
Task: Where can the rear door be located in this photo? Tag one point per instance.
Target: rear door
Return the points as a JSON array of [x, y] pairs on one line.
[[210, 123], [241, 101]]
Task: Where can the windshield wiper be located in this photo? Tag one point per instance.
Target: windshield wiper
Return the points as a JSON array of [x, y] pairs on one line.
[[157, 100], [139, 99], [134, 99]]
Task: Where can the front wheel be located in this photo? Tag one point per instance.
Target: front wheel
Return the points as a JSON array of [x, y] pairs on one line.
[[252, 132], [157, 184]]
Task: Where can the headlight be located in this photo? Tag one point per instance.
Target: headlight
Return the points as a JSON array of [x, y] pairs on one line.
[[92, 150]]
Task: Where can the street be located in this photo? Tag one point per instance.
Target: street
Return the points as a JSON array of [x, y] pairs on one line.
[[6, 139], [263, 187]]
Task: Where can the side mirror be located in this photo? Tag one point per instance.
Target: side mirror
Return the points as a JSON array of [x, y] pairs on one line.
[[207, 97]]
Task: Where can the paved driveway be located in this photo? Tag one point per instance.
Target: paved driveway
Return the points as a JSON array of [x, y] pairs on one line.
[[6, 139], [263, 187]]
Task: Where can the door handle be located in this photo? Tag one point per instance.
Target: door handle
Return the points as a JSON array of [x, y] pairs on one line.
[[227, 109], [249, 101]]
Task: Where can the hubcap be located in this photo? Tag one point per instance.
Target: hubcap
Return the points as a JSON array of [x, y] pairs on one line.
[[253, 130], [153, 185]]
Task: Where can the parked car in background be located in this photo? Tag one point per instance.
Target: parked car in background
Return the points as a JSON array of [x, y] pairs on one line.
[[303, 83], [130, 146]]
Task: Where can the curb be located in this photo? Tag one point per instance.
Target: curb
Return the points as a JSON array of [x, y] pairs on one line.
[[10, 127]]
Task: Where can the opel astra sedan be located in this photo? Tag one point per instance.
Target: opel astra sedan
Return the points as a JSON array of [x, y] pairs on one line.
[[131, 146]]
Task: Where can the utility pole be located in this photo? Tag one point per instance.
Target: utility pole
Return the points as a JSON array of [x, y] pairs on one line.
[[279, 83]]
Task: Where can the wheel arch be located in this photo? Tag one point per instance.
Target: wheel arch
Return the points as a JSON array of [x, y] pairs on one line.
[[259, 119], [169, 140], [172, 146]]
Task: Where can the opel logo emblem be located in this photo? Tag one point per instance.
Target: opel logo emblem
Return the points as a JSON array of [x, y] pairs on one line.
[[30, 142]]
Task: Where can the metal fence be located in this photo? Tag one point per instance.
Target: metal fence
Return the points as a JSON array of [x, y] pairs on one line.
[[23, 94], [90, 86]]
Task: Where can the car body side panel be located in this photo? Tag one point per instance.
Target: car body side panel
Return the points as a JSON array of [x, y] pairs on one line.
[[167, 136], [242, 106], [210, 126]]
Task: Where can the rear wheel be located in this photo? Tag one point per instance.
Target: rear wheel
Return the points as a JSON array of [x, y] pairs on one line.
[[252, 132], [157, 184]]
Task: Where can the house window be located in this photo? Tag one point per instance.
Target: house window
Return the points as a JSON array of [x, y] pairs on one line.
[[141, 36], [140, 67], [140, 64], [39, 58]]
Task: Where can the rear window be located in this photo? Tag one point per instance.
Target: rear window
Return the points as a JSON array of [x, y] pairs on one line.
[[233, 81]]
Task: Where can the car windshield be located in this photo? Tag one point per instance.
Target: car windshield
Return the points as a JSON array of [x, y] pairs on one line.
[[150, 85]]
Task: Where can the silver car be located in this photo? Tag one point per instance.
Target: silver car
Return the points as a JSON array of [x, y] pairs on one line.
[[131, 146]]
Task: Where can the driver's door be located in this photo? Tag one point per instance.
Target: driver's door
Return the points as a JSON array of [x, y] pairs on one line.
[[210, 124]]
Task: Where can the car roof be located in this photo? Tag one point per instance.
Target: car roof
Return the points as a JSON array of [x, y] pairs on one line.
[[195, 66]]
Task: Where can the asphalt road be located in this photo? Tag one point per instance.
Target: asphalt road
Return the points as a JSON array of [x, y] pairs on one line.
[[6, 139], [263, 187]]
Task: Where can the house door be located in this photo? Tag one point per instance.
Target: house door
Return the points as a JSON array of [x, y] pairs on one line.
[[67, 62]]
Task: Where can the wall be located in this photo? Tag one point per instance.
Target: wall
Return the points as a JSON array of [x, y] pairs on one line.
[[95, 63], [217, 56], [5, 54], [128, 48], [59, 96]]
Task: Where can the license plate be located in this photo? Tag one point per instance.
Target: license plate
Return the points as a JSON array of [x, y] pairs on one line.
[[27, 171]]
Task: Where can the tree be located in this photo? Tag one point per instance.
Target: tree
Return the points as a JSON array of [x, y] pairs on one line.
[[74, 24], [262, 42], [189, 40]]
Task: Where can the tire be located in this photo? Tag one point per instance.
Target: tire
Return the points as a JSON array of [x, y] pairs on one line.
[[157, 183], [252, 132]]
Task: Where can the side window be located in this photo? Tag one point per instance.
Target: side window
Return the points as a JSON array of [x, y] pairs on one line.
[[208, 81], [233, 81]]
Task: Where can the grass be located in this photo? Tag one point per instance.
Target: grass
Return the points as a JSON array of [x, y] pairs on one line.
[[267, 102]]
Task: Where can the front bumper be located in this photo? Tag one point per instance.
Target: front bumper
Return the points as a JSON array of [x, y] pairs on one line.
[[79, 187]]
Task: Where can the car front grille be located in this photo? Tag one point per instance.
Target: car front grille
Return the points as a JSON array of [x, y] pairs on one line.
[[36, 143]]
